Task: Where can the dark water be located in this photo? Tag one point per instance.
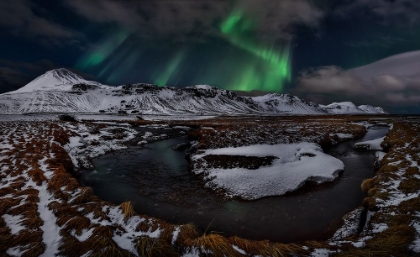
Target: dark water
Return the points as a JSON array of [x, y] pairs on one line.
[[156, 180]]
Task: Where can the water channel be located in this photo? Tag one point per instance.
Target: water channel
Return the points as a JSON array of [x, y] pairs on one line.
[[156, 180]]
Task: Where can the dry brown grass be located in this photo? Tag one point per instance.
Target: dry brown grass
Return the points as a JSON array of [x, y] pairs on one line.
[[392, 242], [186, 232], [410, 206], [37, 176], [367, 184], [78, 224], [23, 208], [127, 210], [7, 203], [217, 244], [32, 220], [412, 171], [410, 185], [25, 237], [369, 203], [86, 195], [101, 243], [34, 249], [6, 190], [154, 247], [166, 230]]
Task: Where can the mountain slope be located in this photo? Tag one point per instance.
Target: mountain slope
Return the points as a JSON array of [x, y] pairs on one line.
[[63, 91], [57, 80], [350, 108]]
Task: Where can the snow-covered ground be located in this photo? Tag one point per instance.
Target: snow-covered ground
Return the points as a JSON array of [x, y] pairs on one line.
[[295, 164], [44, 212], [374, 144]]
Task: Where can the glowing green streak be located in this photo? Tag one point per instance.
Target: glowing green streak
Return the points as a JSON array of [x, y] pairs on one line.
[[103, 51], [277, 67], [163, 78]]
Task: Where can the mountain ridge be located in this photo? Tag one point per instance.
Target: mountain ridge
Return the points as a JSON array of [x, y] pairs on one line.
[[63, 91]]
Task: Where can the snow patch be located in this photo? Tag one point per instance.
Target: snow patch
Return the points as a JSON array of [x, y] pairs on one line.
[[295, 165]]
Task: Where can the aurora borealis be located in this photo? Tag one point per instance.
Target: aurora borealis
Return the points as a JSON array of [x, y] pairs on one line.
[[307, 48], [267, 68]]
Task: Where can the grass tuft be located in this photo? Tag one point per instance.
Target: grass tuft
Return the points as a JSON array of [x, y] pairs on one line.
[[127, 210], [150, 247], [217, 244], [368, 184], [186, 232]]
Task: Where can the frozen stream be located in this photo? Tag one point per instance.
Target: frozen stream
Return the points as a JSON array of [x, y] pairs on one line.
[[155, 178]]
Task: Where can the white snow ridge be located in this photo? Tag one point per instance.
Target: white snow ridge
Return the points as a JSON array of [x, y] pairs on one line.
[[63, 91]]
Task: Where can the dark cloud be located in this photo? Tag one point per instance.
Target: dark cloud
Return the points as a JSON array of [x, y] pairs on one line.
[[278, 18], [389, 11], [191, 19], [18, 17], [331, 83], [329, 79]]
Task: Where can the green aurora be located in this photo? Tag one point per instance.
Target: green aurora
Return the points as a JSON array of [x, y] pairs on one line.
[[266, 70], [244, 64], [101, 53]]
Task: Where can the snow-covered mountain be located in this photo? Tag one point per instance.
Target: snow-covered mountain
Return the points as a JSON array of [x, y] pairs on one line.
[[63, 91], [55, 80], [349, 107]]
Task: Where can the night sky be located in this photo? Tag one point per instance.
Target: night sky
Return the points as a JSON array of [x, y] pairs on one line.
[[313, 49]]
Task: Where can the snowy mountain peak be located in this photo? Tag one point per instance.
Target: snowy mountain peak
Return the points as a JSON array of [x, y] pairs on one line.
[[55, 80], [61, 90], [63, 74]]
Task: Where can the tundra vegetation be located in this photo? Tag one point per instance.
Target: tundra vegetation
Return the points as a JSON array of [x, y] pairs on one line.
[[43, 209]]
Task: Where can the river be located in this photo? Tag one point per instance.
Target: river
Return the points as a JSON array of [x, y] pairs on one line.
[[156, 180]]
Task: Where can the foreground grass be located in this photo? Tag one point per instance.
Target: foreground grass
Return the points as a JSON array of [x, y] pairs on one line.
[[39, 192]]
